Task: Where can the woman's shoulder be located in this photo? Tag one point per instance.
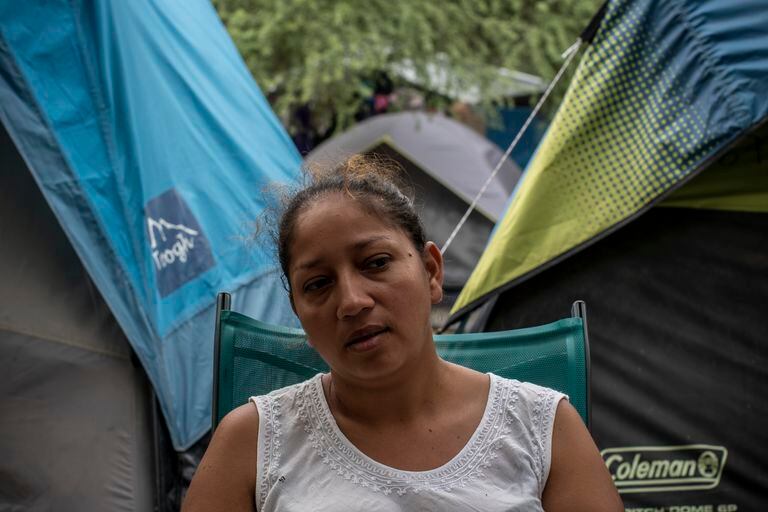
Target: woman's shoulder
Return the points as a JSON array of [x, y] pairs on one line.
[[527, 390], [240, 424], [287, 393], [529, 405], [225, 477]]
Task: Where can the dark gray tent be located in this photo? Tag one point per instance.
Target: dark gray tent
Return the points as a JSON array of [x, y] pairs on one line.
[[76, 422], [448, 163]]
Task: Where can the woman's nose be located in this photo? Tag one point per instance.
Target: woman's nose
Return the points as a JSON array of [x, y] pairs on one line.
[[353, 298]]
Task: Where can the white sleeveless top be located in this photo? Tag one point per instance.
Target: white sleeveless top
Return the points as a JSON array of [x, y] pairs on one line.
[[305, 463]]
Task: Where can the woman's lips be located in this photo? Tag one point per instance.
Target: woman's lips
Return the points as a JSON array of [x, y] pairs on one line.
[[365, 339]]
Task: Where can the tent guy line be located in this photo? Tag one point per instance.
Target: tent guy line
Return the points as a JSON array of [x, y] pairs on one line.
[[568, 55]]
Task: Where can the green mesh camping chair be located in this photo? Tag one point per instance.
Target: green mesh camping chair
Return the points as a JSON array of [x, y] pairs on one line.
[[254, 358]]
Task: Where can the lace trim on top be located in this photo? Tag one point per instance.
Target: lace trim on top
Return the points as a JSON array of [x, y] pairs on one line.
[[543, 420], [539, 406], [269, 453], [341, 456]]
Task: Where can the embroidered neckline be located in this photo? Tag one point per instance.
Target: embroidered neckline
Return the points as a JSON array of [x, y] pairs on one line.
[[350, 463]]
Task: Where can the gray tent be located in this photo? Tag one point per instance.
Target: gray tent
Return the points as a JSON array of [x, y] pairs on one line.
[[448, 163], [76, 423]]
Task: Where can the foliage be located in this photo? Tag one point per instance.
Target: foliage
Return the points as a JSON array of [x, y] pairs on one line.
[[326, 53]]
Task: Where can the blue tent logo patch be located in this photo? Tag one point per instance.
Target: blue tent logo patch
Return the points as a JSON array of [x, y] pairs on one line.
[[180, 251]]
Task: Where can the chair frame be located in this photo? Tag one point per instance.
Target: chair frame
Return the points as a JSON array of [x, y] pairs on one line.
[[224, 302]]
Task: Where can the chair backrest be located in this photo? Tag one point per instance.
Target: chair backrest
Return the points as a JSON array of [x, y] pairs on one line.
[[253, 358]]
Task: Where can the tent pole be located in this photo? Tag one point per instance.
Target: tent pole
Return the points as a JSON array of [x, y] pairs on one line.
[[159, 473]]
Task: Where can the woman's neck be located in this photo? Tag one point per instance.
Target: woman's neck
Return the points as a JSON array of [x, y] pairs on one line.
[[401, 398]]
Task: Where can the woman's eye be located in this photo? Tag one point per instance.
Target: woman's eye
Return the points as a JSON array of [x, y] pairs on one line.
[[377, 262], [316, 284]]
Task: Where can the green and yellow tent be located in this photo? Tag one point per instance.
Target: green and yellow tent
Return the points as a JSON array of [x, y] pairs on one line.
[[648, 198]]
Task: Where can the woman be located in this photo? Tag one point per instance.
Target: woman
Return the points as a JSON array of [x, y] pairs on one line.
[[392, 426]]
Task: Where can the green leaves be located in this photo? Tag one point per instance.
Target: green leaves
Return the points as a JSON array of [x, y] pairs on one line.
[[327, 52]]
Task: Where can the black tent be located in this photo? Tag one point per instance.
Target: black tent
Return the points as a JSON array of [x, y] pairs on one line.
[[678, 327]]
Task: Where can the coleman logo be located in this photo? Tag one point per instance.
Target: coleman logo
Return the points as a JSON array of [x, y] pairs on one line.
[[665, 468], [179, 249]]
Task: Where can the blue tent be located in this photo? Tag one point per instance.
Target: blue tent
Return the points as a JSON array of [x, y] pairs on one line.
[[151, 143]]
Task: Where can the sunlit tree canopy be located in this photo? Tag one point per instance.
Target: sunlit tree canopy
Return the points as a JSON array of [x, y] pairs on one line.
[[328, 53]]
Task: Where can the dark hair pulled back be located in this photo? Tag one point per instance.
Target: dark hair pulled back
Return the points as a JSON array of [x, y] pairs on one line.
[[374, 183]]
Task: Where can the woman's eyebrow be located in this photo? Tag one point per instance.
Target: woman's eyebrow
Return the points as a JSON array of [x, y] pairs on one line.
[[362, 244], [357, 246], [309, 264]]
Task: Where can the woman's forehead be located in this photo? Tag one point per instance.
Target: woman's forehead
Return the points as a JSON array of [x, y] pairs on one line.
[[337, 221], [340, 207]]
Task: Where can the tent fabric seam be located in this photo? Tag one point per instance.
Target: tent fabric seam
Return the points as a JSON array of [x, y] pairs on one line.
[[107, 136], [205, 307], [389, 142], [61, 341], [706, 51], [700, 167]]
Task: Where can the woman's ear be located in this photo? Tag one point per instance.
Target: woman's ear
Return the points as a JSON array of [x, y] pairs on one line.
[[433, 263]]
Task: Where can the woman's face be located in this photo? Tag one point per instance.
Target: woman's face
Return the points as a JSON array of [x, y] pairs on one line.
[[362, 291]]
